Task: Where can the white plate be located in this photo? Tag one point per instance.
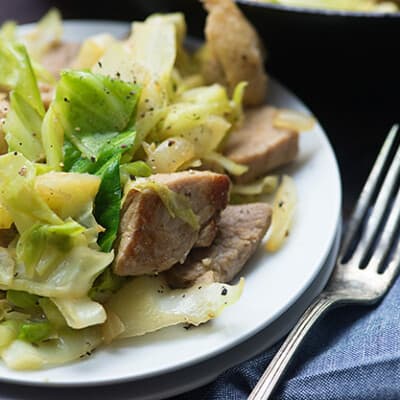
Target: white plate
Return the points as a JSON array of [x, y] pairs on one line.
[[274, 282]]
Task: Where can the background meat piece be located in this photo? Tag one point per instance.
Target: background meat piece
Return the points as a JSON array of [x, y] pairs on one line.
[[235, 52], [259, 145], [207, 234], [241, 229], [59, 57], [150, 239]]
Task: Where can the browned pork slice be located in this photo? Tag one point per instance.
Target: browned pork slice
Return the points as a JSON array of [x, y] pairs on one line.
[[241, 229], [234, 51], [60, 56], [207, 234], [259, 145], [150, 239]]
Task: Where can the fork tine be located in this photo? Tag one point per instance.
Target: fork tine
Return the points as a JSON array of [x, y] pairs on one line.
[[393, 267], [388, 236], [379, 207], [367, 192]]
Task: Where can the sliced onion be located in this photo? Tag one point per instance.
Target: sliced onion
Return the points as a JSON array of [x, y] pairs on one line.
[[283, 211], [293, 120]]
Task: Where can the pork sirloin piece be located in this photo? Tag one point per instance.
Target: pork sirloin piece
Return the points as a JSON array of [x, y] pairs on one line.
[[150, 239], [207, 234], [235, 52], [259, 145], [241, 229]]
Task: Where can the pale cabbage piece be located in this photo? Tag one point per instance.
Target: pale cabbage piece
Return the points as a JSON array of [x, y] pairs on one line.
[[183, 61], [186, 83], [80, 313], [8, 31], [18, 196], [71, 278], [22, 355], [23, 126], [147, 58], [192, 121], [177, 19], [227, 164], [5, 218], [265, 185], [47, 33], [146, 304], [52, 138], [8, 332], [92, 49], [68, 194], [113, 328], [7, 266], [208, 136], [169, 155], [154, 47], [118, 62], [71, 345]]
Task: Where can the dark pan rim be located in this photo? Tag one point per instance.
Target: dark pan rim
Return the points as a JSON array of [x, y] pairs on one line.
[[319, 11]]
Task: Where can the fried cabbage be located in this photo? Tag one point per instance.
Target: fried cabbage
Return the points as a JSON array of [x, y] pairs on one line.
[[125, 110], [146, 304]]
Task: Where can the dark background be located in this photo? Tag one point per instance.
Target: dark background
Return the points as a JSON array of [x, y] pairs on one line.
[[345, 70]]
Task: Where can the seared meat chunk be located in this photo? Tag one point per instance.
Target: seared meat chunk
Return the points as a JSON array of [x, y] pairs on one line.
[[207, 234], [259, 145], [60, 56], [150, 239], [234, 51], [241, 229]]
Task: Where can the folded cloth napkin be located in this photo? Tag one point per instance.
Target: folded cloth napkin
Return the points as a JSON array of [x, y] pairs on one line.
[[353, 353]]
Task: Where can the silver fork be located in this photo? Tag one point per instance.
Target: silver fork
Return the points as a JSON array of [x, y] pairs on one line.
[[373, 265]]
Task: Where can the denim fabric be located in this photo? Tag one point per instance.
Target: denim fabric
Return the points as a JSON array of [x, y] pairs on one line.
[[354, 353]]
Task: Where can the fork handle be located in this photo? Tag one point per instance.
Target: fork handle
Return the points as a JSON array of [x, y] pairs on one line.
[[279, 364]]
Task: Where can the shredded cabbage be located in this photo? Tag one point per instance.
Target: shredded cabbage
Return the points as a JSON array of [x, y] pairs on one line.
[[47, 33], [254, 191], [81, 313], [70, 345], [53, 257], [146, 304], [128, 109], [228, 165], [283, 211]]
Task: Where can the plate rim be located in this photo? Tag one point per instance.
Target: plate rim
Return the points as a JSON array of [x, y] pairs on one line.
[[319, 12]]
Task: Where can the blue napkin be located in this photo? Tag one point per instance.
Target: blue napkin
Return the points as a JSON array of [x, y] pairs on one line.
[[353, 353]]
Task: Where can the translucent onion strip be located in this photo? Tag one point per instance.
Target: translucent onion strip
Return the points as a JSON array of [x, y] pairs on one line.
[[293, 120], [283, 211]]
